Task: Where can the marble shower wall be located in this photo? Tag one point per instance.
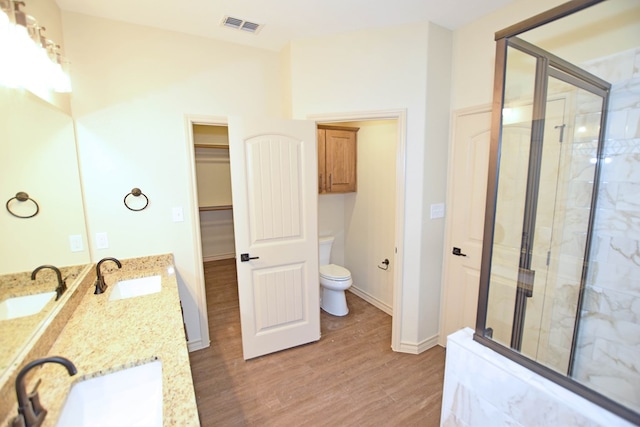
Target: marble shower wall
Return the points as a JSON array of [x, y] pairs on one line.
[[483, 388], [607, 358]]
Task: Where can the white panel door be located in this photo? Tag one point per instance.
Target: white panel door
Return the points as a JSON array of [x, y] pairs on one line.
[[465, 218], [274, 186]]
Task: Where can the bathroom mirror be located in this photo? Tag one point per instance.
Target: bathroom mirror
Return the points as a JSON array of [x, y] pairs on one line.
[[39, 157], [560, 279]]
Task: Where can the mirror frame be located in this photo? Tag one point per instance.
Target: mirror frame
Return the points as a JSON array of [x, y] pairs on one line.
[[501, 38]]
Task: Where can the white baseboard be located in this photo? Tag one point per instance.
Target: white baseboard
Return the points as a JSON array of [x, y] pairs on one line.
[[417, 348], [196, 345], [371, 300], [218, 257]]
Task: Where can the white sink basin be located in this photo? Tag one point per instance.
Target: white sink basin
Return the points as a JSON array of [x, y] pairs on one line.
[[27, 305], [130, 397], [136, 287]]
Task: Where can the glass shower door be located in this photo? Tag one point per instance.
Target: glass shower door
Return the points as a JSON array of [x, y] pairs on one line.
[[561, 233], [546, 193]]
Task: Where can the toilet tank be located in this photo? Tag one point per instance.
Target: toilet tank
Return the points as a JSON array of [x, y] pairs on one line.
[[325, 249]]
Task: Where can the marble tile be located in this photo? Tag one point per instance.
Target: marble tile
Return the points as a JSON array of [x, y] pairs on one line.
[[607, 194], [622, 278], [633, 124], [613, 68], [616, 223], [629, 197], [625, 95], [484, 388], [617, 124], [623, 168], [624, 250]]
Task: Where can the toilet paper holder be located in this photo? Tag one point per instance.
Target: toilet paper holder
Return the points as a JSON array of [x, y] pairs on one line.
[[386, 264]]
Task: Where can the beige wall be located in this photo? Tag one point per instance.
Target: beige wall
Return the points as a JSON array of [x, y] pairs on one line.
[[474, 51], [369, 213], [133, 86], [380, 70]]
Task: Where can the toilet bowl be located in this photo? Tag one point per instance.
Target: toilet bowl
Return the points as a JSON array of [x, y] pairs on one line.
[[334, 280]]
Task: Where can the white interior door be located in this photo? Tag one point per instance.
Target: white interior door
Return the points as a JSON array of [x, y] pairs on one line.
[[274, 188], [465, 221]]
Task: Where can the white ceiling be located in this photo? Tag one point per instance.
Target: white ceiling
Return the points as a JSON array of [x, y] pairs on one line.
[[283, 20]]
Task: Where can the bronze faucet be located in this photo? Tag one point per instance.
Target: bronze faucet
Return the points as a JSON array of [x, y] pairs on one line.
[[30, 411], [62, 283], [101, 286]]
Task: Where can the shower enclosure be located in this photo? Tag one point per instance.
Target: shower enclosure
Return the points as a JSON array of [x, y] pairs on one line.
[[560, 280]]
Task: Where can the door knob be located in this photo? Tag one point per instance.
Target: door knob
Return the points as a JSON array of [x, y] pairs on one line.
[[458, 252], [246, 257]]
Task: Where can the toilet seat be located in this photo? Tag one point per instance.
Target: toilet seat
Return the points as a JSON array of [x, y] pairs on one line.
[[334, 272]]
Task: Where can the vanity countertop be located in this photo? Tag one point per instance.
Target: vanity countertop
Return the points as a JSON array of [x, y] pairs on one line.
[[104, 336]]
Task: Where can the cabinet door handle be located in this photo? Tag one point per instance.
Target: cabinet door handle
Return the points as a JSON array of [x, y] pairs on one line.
[[320, 184], [330, 182]]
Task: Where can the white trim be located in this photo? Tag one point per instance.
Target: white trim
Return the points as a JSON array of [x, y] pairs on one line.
[[417, 348], [200, 297], [197, 345], [371, 300], [455, 116], [401, 117]]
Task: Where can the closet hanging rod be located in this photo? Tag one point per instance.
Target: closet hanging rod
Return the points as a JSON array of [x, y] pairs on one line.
[[216, 208], [223, 146]]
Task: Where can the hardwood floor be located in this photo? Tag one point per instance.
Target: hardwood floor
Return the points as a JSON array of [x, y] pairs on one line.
[[350, 377]]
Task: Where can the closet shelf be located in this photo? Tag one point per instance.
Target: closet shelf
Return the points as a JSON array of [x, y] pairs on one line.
[[222, 146], [216, 208]]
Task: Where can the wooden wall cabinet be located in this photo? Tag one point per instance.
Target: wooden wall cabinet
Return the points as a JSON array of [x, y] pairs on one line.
[[337, 159]]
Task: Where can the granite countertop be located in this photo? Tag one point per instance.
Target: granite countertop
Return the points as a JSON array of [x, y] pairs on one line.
[[14, 333], [104, 336]]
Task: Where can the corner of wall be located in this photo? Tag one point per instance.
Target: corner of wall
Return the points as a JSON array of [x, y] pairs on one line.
[[287, 97], [438, 102]]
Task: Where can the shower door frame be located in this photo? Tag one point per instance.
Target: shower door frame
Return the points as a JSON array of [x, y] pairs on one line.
[[549, 65], [483, 334]]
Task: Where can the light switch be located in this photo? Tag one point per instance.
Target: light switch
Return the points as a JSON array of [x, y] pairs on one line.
[[75, 242], [178, 215], [437, 210], [102, 242]]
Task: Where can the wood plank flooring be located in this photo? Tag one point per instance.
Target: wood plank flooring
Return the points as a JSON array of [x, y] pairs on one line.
[[349, 378]]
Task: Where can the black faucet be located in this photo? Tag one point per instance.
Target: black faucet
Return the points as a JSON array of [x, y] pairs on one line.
[[100, 285], [62, 283], [30, 411]]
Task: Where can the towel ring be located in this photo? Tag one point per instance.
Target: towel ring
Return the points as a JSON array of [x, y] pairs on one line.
[[136, 192], [21, 196]]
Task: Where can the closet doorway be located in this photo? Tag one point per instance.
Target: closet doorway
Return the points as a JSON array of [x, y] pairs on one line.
[[213, 176], [215, 236]]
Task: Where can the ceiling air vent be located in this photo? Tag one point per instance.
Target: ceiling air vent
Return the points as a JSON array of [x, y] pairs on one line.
[[240, 24]]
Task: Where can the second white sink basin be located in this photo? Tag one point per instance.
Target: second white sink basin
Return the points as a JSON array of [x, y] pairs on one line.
[[27, 305], [136, 287], [130, 397]]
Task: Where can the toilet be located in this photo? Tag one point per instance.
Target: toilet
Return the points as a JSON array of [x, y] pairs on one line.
[[334, 280]]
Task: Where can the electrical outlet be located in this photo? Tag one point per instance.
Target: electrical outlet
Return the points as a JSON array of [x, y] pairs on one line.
[[75, 242], [102, 242]]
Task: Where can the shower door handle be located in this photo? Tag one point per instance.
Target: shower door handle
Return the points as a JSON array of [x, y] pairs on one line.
[[458, 252]]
